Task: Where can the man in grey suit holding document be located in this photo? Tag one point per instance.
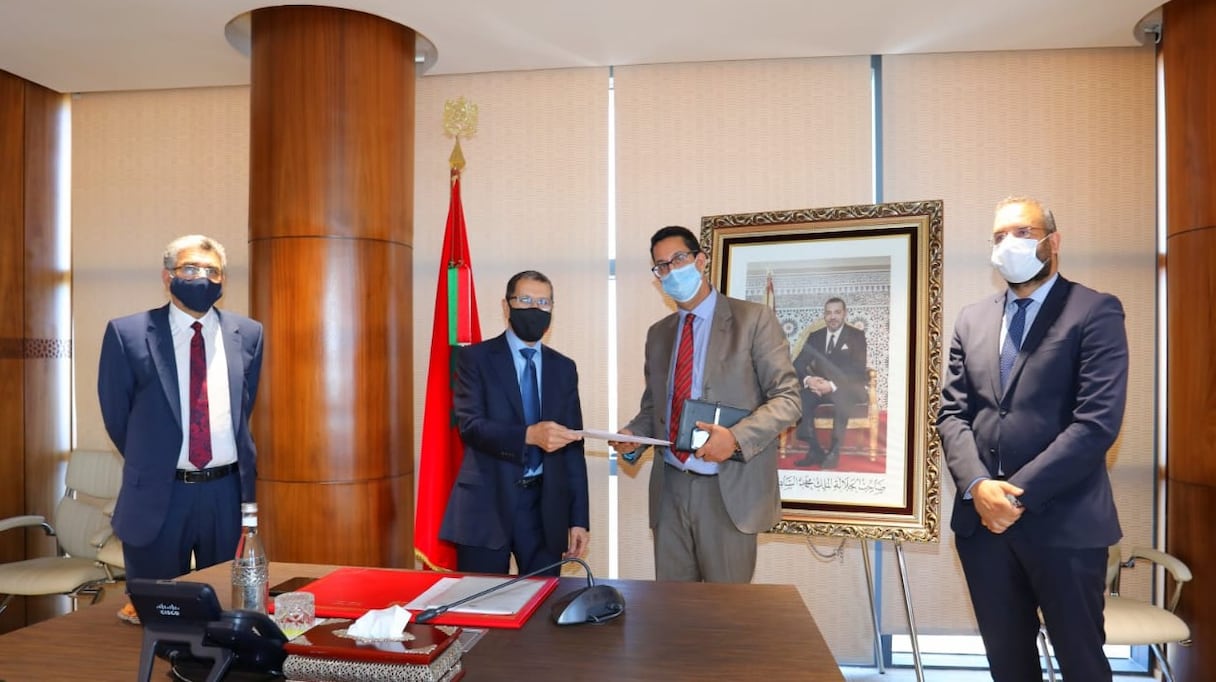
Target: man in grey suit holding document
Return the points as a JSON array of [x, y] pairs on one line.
[[708, 505]]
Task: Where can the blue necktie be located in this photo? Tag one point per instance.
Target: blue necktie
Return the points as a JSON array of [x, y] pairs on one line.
[[1013, 340], [528, 389]]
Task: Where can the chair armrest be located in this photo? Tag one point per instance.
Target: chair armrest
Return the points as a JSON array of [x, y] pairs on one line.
[[25, 522], [101, 538], [1180, 571]]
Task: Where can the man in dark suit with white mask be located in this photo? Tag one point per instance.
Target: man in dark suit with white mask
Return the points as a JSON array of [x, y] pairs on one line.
[[1033, 399]]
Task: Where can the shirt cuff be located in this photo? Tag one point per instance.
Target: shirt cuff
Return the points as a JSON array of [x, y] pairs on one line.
[[967, 495]]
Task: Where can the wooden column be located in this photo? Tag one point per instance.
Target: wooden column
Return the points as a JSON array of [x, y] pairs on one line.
[[1190, 123], [35, 326], [331, 233]]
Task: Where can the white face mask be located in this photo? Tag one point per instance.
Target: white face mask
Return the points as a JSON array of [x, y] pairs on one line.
[[1017, 259]]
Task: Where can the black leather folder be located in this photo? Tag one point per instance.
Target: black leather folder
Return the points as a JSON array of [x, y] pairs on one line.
[[702, 411]]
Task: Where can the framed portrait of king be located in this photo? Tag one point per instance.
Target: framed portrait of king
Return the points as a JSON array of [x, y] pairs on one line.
[[858, 292]]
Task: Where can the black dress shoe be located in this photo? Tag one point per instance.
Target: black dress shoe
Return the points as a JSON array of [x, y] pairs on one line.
[[831, 460], [811, 459]]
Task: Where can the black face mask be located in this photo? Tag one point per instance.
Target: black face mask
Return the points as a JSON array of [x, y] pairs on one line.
[[530, 324], [196, 294]]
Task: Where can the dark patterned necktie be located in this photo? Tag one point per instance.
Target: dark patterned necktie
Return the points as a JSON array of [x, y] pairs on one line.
[[832, 342], [200, 413], [682, 384], [1013, 340], [530, 392]]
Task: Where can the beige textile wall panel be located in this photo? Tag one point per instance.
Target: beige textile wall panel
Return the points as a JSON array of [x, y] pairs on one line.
[[694, 140], [1076, 129], [148, 167], [535, 197]]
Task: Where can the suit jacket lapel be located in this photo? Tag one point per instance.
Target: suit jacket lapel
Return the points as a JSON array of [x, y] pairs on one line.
[[548, 385], [160, 347], [503, 366], [234, 353], [664, 356], [990, 341], [1053, 305], [715, 354]]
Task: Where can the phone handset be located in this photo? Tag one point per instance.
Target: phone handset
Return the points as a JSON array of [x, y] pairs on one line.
[[252, 636]]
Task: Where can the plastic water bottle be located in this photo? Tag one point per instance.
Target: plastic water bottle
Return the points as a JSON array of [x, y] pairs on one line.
[[250, 568]]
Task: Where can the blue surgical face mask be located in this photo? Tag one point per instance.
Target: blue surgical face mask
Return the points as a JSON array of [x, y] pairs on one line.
[[196, 294], [682, 284]]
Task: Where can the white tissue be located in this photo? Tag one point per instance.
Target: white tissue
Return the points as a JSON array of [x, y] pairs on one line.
[[380, 624]]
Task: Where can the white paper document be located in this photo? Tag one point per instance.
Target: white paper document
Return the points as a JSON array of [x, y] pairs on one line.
[[623, 438], [507, 601]]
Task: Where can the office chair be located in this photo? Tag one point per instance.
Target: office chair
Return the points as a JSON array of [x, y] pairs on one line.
[[109, 548], [1134, 622], [80, 527]]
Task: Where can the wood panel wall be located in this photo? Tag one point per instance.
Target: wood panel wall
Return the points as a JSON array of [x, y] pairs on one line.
[[12, 325], [35, 326], [1190, 144]]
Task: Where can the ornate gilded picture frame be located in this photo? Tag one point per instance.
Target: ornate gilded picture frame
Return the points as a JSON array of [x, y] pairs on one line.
[[858, 291]]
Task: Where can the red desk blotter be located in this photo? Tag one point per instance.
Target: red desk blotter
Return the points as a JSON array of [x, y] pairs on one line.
[[350, 592]]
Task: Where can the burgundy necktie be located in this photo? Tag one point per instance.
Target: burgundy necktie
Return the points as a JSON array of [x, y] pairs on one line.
[[200, 413], [682, 384]]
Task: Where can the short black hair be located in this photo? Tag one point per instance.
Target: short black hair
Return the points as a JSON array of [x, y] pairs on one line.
[[690, 239], [526, 274], [835, 299]]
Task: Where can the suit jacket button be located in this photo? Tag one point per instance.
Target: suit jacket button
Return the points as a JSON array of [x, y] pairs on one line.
[[1004, 412]]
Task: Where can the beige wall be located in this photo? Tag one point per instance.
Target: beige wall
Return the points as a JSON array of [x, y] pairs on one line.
[[148, 167], [535, 196], [1073, 127], [706, 139]]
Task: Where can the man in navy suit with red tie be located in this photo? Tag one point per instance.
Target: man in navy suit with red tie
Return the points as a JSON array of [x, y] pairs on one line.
[[1033, 399], [176, 386], [522, 485]]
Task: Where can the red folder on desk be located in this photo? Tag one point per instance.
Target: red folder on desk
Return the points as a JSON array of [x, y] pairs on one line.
[[350, 592]]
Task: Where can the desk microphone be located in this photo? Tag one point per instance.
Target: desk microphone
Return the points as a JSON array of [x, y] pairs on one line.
[[591, 604]]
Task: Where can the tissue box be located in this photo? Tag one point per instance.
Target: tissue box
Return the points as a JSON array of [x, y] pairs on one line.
[[445, 668], [324, 654]]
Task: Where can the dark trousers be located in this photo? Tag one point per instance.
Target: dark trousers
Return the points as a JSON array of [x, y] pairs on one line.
[[1010, 578], [204, 520], [527, 543], [845, 399]]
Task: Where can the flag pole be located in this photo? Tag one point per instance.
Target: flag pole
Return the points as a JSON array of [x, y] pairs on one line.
[[455, 325]]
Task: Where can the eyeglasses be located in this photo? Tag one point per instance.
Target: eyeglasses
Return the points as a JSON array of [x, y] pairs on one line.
[[678, 260], [192, 271], [529, 302], [1023, 232]]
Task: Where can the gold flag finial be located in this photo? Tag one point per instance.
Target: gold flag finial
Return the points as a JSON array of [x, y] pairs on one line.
[[456, 160], [459, 120]]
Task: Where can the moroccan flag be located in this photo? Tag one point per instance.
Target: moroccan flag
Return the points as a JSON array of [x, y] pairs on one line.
[[455, 325]]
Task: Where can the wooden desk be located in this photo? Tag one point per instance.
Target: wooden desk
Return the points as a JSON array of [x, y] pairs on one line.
[[670, 631]]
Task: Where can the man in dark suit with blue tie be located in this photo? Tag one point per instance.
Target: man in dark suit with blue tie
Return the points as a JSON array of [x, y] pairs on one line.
[[1033, 399], [831, 368], [176, 386], [522, 485]]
